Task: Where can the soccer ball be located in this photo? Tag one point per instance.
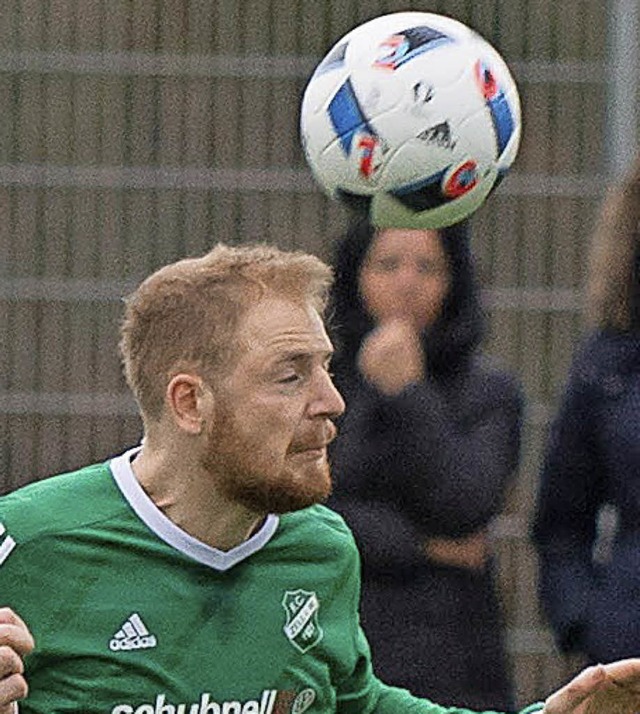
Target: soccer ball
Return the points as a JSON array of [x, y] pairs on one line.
[[412, 116]]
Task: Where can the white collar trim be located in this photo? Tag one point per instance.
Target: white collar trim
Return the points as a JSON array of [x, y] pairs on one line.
[[174, 536]]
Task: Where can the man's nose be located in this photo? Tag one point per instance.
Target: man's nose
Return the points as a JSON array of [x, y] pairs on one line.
[[328, 401]]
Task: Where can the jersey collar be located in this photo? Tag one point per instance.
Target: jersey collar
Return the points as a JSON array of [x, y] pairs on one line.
[[174, 536]]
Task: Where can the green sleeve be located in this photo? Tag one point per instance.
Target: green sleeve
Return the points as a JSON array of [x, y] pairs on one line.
[[396, 701]]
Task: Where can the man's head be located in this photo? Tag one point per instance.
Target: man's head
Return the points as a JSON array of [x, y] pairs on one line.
[[229, 352], [186, 315]]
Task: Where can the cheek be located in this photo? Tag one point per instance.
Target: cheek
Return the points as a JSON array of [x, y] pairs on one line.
[[432, 297], [384, 298], [378, 296], [426, 307], [274, 429]]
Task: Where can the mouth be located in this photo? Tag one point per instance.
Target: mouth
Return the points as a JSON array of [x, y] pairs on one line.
[[316, 448], [311, 451]]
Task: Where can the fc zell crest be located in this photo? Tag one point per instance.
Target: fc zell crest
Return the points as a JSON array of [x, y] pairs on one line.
[[302, 628]]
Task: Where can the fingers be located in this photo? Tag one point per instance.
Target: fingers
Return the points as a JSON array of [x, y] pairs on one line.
[[15, 641], [578, 690], [10, 662], [613, 688], [14, 632], [625, 673], [12, 689]]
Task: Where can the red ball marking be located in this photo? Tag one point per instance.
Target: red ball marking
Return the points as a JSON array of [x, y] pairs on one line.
[[486, 80], [463, 179]]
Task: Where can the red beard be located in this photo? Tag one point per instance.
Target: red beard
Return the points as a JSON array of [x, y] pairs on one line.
[[261, 488]]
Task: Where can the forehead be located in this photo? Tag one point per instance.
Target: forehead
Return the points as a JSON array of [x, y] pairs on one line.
[[408, 241], [274, 327]]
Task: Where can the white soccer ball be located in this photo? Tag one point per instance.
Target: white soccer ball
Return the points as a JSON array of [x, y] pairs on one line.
[[414, 117]]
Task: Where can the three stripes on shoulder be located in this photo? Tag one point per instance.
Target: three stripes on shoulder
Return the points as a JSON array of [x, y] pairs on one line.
[[7, 544]]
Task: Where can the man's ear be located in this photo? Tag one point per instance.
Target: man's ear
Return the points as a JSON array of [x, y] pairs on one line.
[[189, 401]]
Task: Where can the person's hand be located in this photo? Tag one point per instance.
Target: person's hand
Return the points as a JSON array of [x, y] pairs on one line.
[[603, 689], [15, 642], [391, 356], [471, 552]]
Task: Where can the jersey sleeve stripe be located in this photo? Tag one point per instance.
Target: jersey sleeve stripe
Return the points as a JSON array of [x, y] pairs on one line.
[[7, 545]]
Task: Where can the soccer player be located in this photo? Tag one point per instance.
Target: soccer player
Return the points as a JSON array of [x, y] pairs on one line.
[[195, 573]]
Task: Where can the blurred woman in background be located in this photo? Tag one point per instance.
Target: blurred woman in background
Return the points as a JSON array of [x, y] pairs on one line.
[[593, 454], [425, 453]]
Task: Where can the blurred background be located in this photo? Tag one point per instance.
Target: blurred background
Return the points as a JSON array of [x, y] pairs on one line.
[[135, 132]]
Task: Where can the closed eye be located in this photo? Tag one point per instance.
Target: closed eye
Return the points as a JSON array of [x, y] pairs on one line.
[[387, 265], [289, 379], [428, 267]]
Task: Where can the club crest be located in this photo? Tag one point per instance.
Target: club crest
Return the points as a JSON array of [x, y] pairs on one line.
[[302, 628]]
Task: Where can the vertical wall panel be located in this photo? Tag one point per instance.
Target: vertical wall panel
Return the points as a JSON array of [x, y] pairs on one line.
[[255, 27], [84, 101], [200, 24], [226, 126], [85, 229], [106, 233], [115, 25], [142, 18], [5, 363], [113, 96], [30, 21], [169, 122], [57, 99], [107, 377], [224, 209], [227, 27], [81, 351], [198, 126], [254, 123], [25, 256], [141, 130], [30, 118], [89, 20], [172, 19], [282, 125], [7, 126]]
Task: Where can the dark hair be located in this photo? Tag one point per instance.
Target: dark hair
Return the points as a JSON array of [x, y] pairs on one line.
[[456, 334]]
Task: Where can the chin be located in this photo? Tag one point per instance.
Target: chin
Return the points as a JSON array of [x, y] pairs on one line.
[[288, 502], [289, 492]]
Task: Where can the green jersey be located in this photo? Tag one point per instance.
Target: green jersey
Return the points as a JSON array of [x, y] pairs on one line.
[[132, 615]]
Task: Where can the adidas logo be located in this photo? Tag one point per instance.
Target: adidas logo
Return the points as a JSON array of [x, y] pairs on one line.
[[133, 635]]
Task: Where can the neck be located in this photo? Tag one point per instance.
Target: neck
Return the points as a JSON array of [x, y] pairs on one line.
[[187, 495]]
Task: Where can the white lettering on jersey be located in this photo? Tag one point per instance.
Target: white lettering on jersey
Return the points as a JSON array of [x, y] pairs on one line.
[[7, 544], [206, 705]]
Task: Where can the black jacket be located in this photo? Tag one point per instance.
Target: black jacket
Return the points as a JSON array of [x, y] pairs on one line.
[[434, 460], [593, 459]]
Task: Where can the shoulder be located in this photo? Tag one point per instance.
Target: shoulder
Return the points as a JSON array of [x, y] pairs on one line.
[[58, 503], [492, 382], [603, 358], [493, 371], [317, 522], [318, 532], [606, 347]]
